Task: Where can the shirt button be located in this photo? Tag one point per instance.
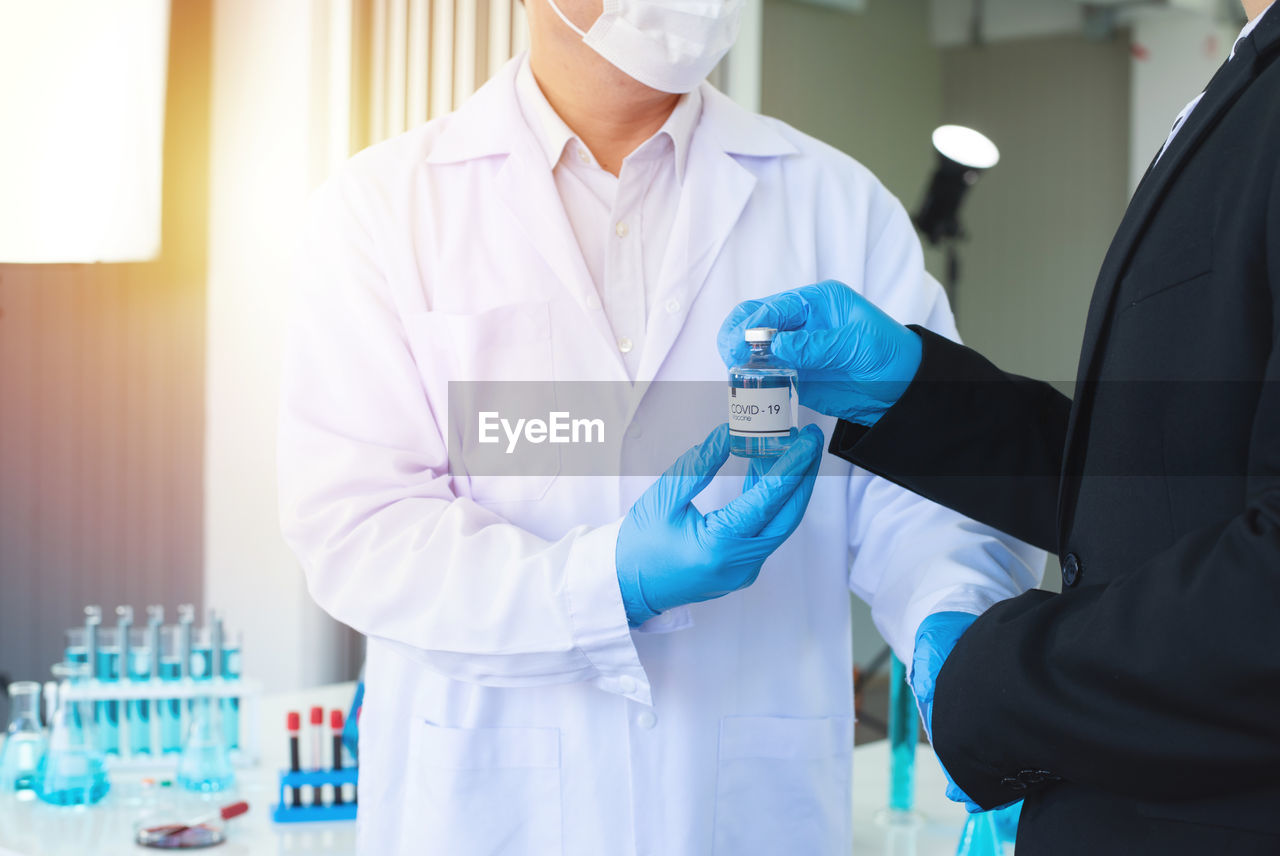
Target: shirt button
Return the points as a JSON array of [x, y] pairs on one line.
[[625, 344], [583, 156], [627, 684], [621, 229], [673, 306], [646, 719]]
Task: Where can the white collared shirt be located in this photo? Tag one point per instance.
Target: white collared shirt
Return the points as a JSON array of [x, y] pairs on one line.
[[1191, 106], [622, 223]]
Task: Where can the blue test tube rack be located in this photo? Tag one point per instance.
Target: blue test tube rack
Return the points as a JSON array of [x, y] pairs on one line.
[[281, 812]]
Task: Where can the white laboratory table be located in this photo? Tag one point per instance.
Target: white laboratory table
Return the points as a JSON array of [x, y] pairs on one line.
[[36, 829]]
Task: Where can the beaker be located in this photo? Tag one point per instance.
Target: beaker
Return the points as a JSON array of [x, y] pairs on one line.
[[25, 742], [72, 771], [205, 765]]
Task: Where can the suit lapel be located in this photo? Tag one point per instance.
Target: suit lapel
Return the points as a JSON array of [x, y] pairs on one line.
[[1223, 91]]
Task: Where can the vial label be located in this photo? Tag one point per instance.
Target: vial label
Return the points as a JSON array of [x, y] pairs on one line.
[[760, 412]]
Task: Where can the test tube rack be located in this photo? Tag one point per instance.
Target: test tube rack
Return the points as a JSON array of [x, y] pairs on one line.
[[281, 812], [248, 692]]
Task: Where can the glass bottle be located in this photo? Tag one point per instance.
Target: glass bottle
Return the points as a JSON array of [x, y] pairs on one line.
[[24, 743], [762, 400], [73, 770]]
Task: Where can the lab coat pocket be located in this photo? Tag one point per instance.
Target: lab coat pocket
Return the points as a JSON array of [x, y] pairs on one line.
[[490, 377], [784, 785], [482, 791]]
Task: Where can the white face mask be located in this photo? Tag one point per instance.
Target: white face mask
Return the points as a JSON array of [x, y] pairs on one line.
[[671, 45]]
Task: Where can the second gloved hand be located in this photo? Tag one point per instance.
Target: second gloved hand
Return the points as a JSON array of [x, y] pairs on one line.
[[937, 636], [854, 360], [669, 553]]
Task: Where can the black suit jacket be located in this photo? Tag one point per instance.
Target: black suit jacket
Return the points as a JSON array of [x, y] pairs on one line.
[[1138, 711]]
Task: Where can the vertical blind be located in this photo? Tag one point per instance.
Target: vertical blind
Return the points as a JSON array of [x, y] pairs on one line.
[[426, 57]]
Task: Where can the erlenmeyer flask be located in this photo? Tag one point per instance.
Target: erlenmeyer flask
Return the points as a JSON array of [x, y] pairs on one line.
[[72, 771], [24, 743], [205, 764]]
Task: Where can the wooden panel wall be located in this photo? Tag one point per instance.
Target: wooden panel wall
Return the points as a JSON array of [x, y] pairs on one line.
[[102, 405]]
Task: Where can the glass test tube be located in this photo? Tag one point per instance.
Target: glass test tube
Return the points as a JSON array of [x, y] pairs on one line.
[[170, 672], [138, 711], [107, 671], [903, 736], [231, 643]]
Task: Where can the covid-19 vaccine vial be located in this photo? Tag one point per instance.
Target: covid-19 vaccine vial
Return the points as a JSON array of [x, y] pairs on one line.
[[762, 400]]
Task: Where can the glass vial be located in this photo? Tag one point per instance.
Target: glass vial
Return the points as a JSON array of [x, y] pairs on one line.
[[762, 400]]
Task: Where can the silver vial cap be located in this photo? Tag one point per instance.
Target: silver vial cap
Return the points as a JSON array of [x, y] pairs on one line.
[[759, 334]]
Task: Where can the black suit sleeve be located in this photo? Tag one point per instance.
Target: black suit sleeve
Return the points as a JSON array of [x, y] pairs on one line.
[[1162, 684], [973, 438]]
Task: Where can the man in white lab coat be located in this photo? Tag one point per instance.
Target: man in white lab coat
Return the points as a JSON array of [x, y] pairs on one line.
[[572, 223]]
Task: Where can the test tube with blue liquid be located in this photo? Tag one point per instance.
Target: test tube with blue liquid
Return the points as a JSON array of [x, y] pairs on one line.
[[231, 644], [138, 711], [170, 709]]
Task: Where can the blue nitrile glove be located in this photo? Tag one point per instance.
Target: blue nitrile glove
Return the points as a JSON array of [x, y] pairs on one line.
[[937, 636], [854, 360], [669, 553]]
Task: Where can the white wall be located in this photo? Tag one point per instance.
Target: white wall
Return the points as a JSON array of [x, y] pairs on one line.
[[1175, 54], [269, 149]]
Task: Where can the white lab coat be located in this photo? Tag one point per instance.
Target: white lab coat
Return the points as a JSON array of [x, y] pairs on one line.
[[508, 707]]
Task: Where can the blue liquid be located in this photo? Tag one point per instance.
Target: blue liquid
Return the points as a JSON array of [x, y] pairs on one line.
[[76, 655], [201, 663], [138, 712], [19, 759], [762, 371], [170, 709], [903, 735], [107, 713], [231, 706], [71, 777], [206, 770]]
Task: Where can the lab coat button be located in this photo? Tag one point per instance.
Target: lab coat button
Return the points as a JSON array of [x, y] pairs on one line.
[[625, 344], [646, 719], [635, 432], [1070, 569], [622, 230], [627, 684], [673, 306], [593, 302]]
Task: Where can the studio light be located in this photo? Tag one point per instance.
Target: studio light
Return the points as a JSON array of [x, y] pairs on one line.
[[963, 155]]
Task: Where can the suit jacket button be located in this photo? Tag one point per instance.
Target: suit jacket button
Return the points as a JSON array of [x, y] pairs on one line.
[[1070, 569], [1013, 784]]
